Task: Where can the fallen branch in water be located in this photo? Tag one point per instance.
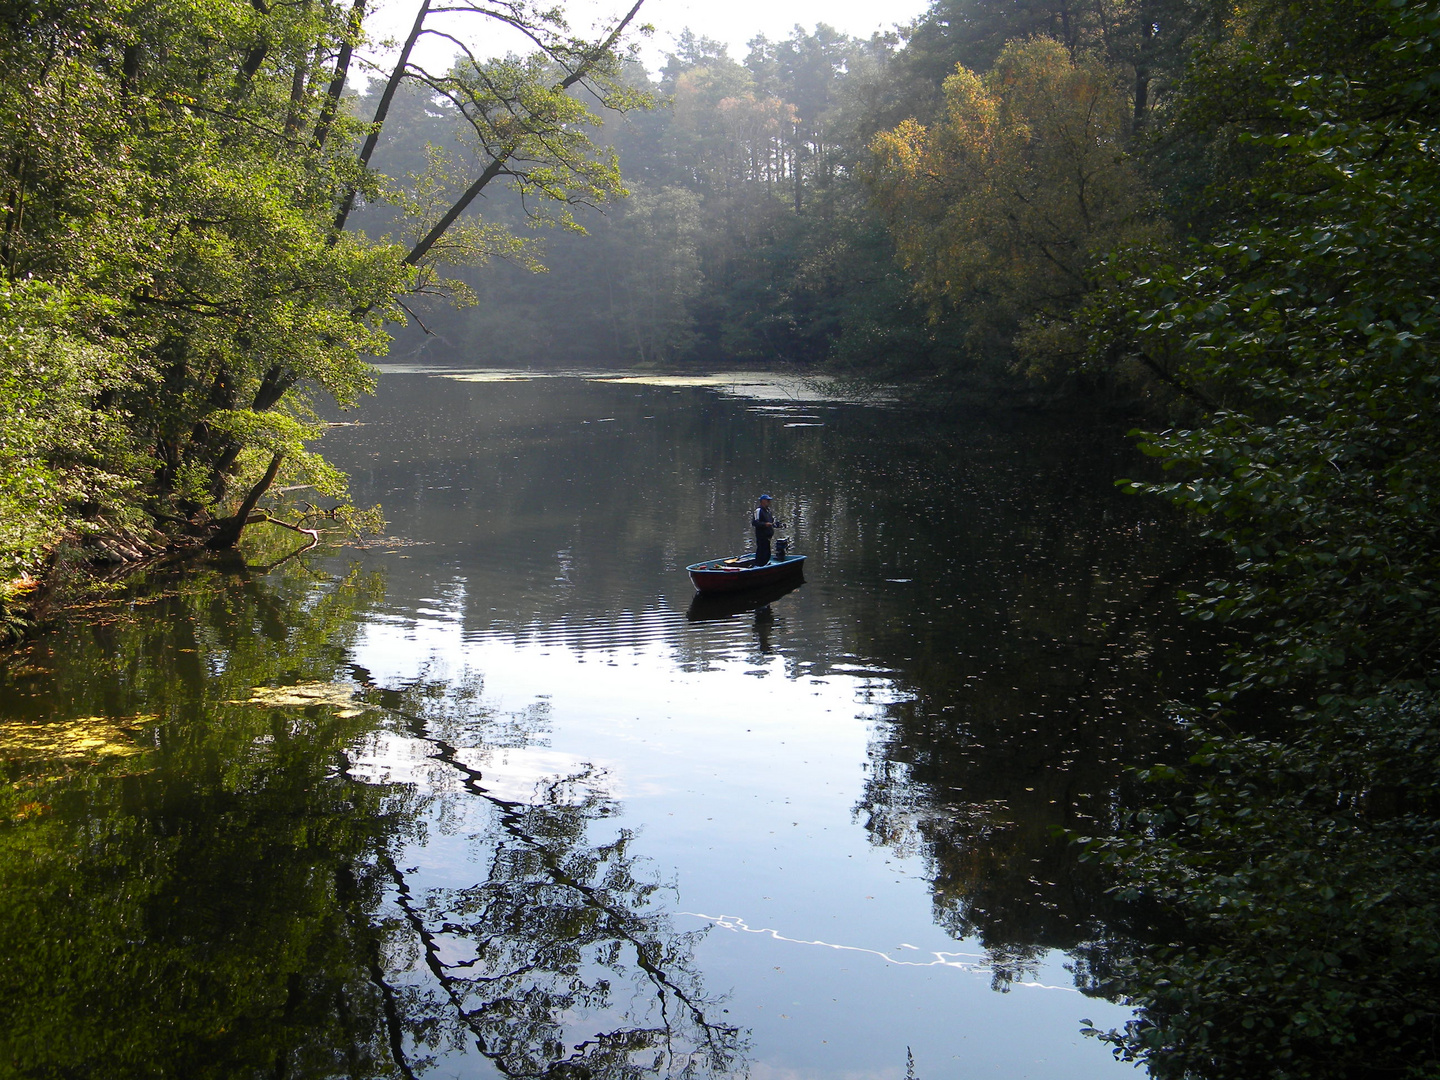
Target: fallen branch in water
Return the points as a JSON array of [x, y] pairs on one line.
[[264, 517], [259, 517]]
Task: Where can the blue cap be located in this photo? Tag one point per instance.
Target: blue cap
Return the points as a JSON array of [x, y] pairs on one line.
[[762, 497]]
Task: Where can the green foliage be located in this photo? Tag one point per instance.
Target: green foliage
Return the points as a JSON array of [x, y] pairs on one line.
[[1295, 871], [1202, 155], [1312, 334], [748, 236], [1148, 37], [1304, 871], [655, 273], [163, 256], [176, 287], [56, 452], [793, 258]]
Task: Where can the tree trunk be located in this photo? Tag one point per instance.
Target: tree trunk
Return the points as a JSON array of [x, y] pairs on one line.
[[228, 530], [382, 110], [1142, 67], [331, 104], [297, 98], [497, 166]]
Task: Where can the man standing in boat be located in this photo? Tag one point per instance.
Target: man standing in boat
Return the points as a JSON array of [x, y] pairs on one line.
[[764, 523]]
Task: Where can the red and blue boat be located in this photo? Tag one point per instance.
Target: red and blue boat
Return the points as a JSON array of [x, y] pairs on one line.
[[740, 572]]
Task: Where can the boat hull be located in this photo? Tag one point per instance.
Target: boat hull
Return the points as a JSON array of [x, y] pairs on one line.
[[734, 574]]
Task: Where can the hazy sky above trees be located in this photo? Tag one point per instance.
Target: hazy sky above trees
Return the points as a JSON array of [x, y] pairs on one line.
[[733, 22]]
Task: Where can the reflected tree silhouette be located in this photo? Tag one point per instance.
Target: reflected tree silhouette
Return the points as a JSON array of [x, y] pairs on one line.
[[1066, 647], [558, 927], [985, 568], [255, 862], [229, 899], [989, 805]]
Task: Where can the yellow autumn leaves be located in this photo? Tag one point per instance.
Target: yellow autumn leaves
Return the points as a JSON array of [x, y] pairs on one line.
[[1001, 208], [81, 739], [338, 696], [92, 738]]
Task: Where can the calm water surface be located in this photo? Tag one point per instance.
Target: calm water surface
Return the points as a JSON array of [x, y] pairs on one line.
[[493, 796]]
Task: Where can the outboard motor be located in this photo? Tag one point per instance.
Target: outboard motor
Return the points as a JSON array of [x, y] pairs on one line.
[[782, 547]]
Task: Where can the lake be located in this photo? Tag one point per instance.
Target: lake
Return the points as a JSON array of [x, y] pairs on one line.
[[493, 795]]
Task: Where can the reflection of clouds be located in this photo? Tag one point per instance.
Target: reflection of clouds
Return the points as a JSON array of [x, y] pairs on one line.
[[385, 758], [975, 963], [477, 375], [646, 646], [525, 775], [528, 774], [755, 386]]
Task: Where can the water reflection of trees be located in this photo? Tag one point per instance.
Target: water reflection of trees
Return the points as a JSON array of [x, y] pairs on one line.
[[233, 901], [559, 926], [1064, 643], [986, 567], [987, 809]]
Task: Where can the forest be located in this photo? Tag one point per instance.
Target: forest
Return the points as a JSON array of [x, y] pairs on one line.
[[1217, 222]]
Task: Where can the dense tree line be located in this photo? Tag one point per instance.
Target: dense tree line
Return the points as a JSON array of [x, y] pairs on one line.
[[772, 220], [1298, 846]]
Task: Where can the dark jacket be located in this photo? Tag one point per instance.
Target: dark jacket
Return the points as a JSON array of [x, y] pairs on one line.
[[764, 522]]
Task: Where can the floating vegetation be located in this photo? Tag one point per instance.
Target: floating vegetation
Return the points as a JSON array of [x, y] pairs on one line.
[[387, 542], [339, 696], [27, 810], [87, 738], [475, 375]]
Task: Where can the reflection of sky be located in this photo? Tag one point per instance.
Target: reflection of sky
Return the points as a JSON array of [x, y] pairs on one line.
[[546, 521], [752, 385], [742, 782]]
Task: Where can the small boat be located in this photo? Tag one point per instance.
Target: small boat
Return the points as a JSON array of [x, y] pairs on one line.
[[740, 572]]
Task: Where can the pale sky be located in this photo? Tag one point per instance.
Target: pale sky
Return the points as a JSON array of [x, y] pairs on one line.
[[733, 22]]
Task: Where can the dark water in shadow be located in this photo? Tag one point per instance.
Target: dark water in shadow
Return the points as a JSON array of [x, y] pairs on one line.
[[496, 796]]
